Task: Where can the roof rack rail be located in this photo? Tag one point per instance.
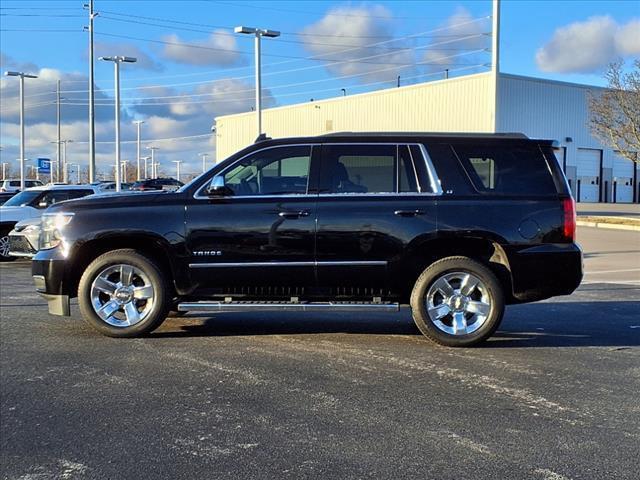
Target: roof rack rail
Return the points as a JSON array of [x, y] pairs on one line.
[[514, 135]]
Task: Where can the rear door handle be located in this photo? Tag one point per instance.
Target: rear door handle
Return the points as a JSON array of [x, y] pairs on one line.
[[301, 213], [408, 213]]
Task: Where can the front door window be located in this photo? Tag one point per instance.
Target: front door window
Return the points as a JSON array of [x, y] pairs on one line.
[[275, 171]]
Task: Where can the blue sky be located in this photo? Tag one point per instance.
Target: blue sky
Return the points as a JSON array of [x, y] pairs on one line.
[[358, 46]]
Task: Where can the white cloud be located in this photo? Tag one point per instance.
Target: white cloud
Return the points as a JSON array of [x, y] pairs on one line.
[[346, 35], [446, 51], [220, 48], [628, 38], [589, 46]]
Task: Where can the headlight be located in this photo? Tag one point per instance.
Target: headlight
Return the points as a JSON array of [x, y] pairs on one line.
[[53, 225]]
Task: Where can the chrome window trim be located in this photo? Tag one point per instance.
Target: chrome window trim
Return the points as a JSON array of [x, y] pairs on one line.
[[290, 264], [198, 196]]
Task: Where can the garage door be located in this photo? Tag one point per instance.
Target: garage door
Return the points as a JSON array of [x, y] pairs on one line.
[[589, 174], [623, 178]]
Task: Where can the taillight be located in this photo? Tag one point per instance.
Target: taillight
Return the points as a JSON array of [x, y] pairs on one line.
[[569, 224]]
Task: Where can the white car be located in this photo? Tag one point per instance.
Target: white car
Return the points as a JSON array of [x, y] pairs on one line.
[[11, 186], [30, 203]]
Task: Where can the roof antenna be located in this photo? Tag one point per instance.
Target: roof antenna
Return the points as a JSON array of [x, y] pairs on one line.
[[261, 138]]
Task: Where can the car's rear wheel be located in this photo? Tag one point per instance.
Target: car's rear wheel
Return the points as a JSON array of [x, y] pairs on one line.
[[123, 294], [4, 246], [457, 302]]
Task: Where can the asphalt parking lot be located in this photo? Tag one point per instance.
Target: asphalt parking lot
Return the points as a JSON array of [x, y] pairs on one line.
[[553, 396]]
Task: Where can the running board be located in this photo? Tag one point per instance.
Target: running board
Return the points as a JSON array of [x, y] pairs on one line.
[[286, 306]]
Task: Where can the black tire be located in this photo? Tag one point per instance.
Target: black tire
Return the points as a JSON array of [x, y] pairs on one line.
[[4, 245], [491, 291], [161, 300]]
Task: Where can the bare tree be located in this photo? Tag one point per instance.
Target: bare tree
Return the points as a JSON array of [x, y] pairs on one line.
[[615, 111]]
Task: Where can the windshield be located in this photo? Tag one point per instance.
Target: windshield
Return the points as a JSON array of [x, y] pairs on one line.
[[23, 198]]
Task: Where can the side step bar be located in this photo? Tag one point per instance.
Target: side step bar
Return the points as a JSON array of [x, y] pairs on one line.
[[286, 306]]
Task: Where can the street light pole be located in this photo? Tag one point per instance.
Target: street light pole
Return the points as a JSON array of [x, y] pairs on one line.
[[92, 115], [145, 166], [177, 162], [59, 138], [4, 170], [204, 161], [153, 168], [138, 123], [22, 76], [117, 60], [65, 170], [258, 33]]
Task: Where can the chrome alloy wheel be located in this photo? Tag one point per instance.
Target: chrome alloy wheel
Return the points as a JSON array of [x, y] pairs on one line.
[[458, 303], [122, 295], [4, 246]]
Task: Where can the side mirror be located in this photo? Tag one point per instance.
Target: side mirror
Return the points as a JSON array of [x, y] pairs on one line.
[[217, 187]]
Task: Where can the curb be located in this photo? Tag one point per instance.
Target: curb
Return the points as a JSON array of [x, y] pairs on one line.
[[611, 226]]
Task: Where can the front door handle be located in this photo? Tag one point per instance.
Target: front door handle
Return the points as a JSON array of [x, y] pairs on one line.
[[301, 213], [408, 213]]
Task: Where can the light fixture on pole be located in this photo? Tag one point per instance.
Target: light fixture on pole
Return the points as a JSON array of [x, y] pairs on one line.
[[204, 161], [22, 76], [138, 123], [153, 149], [117, 60], [177, 162], [258, 33]]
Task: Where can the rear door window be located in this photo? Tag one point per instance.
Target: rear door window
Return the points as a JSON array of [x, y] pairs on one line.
[[507, 169], [367, 169]]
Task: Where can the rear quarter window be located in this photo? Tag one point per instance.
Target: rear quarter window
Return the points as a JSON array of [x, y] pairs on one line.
[[509, 169]]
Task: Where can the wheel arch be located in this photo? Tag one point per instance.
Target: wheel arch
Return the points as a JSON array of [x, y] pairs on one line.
[[485, 249], [150, 245]]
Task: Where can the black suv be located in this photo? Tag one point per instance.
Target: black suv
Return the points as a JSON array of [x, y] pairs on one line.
[[455, 225]]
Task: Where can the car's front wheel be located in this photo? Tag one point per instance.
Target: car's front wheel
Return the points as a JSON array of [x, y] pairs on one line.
[[123, 294], [457, 302], [4, 246]]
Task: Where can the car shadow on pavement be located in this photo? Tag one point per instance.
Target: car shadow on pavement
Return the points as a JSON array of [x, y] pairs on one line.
[[544, 324]]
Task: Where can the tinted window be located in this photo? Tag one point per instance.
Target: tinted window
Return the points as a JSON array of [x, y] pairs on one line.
[[367, 169], [507, 169], [274, 171]]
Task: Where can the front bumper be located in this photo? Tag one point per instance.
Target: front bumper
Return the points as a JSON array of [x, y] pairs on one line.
[[21, 245], [49, 271], [545, 271]]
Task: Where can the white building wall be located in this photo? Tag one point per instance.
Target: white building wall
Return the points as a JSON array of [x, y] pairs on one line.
[[462, 104]]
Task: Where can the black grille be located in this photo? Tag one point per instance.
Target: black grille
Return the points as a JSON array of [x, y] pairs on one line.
[[20, 244]]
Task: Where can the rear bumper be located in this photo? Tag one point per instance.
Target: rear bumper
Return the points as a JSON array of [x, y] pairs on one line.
[[545, 271], [48, 270]]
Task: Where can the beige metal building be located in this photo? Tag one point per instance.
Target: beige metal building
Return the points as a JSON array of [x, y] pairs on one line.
[[484, 102]]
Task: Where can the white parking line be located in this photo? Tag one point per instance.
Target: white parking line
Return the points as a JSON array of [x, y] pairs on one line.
[[597, 272], [617, 282]]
